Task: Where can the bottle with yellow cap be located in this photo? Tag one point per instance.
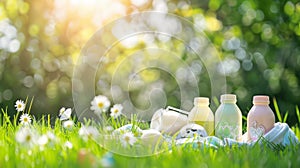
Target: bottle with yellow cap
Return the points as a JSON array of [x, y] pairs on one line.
[[201, 114], [260, 119], [228, 118]]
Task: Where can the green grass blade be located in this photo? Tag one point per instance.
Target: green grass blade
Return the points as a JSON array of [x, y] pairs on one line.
[[43, 121], [26, 101], [1, 120], [49, 121], [285, 116], [277, 110], [16, 119], [6, 117], [216, 102], [30, 106], [298, 113], [244, 118]]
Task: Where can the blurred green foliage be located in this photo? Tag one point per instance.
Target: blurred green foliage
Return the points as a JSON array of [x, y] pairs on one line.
[[268, 33], [258, 42]]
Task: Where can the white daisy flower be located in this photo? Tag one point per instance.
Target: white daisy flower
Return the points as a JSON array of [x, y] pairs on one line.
[[68, 124], [50, 136], [108, 128], [68, 145], [43, 140], [65, 114], [88, 132], [26, 135], [100, 104], [25, 119], [20, 105], [116, 110], [128, 139]]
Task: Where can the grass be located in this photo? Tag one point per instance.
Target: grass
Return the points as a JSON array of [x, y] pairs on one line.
[[88, 153]]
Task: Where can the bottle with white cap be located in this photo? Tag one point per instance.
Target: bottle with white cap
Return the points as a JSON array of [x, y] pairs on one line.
[[228, 118], [202, 115], [261, 118]]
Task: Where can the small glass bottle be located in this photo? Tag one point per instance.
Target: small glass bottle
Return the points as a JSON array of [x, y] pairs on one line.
[[260, 119], [228, 118], [202, 115]]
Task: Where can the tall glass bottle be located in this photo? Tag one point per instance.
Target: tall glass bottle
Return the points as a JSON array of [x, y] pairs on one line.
[[228, 118], [260, 118], [201, 114]]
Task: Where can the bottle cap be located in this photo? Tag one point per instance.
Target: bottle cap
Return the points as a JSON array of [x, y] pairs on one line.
[[201, 100], [261, 99], [228, 98]]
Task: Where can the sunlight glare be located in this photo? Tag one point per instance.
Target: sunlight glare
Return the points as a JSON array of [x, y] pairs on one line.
[[97, 11]]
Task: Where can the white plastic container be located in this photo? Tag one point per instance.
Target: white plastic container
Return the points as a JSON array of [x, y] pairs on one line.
[[168, 121]]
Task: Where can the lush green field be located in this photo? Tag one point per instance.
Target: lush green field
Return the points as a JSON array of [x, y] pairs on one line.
[[66, 146]]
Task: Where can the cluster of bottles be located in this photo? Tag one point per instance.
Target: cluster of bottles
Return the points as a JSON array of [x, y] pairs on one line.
[[227, 122]]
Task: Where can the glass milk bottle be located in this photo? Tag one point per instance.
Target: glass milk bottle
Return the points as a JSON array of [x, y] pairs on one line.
[[260, 118], [201, 114], [228, 118]]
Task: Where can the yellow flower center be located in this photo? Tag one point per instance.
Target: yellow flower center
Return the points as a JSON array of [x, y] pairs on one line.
[[19, 106], [127, 138], [28, 138], [25, 119], [116, 111], [100, 105]]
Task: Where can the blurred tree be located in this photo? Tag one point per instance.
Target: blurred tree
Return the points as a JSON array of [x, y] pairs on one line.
[[258, 42], [264, 37]]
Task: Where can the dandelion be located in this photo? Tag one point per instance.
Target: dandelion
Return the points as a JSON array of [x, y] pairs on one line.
[[128, 139], [100, 104], [25, 119], [20, 105], [116, 110], [65, 114], [68, 145], [88, 132], [68, 124], [26, 136]]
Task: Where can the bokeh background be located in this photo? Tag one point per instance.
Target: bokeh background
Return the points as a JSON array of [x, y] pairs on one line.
[[258, 43]]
